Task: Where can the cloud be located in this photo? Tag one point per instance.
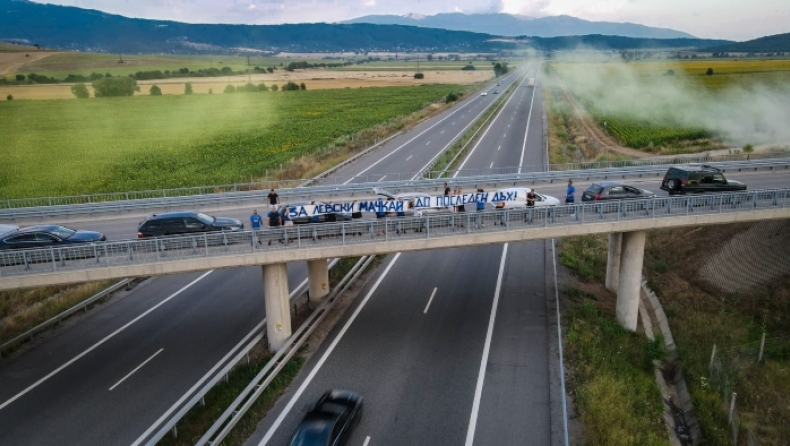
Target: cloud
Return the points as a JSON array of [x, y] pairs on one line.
[[369, 3]]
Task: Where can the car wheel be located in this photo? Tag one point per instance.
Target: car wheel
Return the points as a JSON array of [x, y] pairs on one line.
[[672, 185]]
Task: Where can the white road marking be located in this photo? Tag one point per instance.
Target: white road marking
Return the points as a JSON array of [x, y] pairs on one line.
[[96, 345], [427, 143], [492, 165], [499, 147], [382, 178], [484, 134], [442, 132], [505, 135], [136, 369], [526, 132], [470, 433], [453, 123], [325, 356], [409, 157], [429, 301], [367, 440]]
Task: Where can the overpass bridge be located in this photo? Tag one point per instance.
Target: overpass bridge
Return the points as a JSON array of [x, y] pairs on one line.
[[625, 221]]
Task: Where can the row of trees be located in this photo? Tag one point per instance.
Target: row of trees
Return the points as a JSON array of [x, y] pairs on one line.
[[125, 86], [500, 68]]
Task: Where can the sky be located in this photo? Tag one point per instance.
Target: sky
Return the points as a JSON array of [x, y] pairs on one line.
[[717, 19]]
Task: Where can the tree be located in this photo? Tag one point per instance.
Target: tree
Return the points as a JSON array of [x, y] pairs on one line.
[[250, 87], [9, 98], [419, 76], [20, 77], [709, 72], [500, 68], [114, 86], [210, 91], [80, 91], [302, 86], [229, 89], [155, 91], [290, 86], [468, 67], [226, 70], [429, 57], [275, 87], [262, 87], [188, 88], [451, 97]]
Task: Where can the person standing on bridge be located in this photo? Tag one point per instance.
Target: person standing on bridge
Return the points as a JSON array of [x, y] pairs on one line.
[[569, 193], [273, 198], [255, 221]]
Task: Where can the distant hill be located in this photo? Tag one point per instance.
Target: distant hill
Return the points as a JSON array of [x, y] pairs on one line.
[[70, 28], [769, 44], [515, 25]]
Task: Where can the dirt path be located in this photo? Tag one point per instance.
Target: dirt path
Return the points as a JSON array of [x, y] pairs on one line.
[[593, 132], [11, 62]]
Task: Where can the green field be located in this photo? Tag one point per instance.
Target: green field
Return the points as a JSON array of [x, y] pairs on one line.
[[66, 147]]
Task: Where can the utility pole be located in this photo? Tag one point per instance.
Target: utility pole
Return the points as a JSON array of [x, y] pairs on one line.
[[418, 62]]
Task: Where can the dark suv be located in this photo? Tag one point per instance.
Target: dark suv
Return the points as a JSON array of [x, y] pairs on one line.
[[173, 223], [697, 178]]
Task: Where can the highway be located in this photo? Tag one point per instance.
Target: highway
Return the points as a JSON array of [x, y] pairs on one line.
[[448, 347], [416, 359], [110, 377]]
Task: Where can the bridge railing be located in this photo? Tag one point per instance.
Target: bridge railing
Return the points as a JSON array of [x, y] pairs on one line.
[[20, 210], [203, 245]]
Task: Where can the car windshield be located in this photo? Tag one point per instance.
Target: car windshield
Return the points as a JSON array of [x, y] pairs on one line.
[[61, 231], [594, 189], [205, 219]]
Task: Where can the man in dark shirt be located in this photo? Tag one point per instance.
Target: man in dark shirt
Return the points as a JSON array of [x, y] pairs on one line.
[[273, 197]]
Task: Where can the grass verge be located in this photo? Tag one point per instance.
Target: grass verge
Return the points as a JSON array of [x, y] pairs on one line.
[[611, 378]]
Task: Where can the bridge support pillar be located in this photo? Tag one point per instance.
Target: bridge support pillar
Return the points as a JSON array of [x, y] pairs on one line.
[[613, 261], [630, 280], [278, 308], [318, 279]]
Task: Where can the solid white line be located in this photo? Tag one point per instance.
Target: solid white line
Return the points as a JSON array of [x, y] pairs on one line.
[[559, 337], [429, 301], [526, 132], [484, 133], [481, 376], [412, 155], [382, 178], [325, 356], [136, 369], [367, 440], [409, 141], [96, 345]]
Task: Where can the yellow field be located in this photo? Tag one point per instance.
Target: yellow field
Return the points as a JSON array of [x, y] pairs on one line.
[[313, 79]]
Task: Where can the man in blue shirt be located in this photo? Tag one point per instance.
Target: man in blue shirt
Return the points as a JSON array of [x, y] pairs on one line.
[[256, 220], [570, 193]]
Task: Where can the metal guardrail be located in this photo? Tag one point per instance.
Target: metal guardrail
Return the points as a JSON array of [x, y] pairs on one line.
[[286, 187], [205, 245], [432, 181], [63, 315], [231, 360], [230, 417]]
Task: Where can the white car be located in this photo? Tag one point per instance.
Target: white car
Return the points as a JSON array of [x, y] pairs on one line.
[[484, 94], [521, 199]]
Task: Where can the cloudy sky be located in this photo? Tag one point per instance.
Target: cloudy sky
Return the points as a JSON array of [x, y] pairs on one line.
[[726, 19]]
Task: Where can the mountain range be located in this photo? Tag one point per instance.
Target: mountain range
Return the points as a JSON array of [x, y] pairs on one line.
[[71, 28], [517, 25]]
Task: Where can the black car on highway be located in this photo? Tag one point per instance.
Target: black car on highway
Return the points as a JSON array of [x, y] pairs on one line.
[[47, 236], [330, 420], [614, 190], [698, 178], [175, 223]]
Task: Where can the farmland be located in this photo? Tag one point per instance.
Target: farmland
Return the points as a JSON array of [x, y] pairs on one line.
[[671, 106], [61, 147]]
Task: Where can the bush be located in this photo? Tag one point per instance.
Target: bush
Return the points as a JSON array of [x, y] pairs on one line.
[[451, 97], [20, 77], [9, 98], [290, 86], [188, 88], [155, 91], [229, 89], [250, 88], [302, 86], [469, 67], [709, 72], [114, 86], [80, 91], [275, 87], [748, 148], [419, 76], [669, 73], [262, 87]]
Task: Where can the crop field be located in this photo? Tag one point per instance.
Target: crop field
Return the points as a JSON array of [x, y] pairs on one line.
[[669, 105], [64, 147]]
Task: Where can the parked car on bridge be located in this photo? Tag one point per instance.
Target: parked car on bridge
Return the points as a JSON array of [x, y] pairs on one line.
[[614, 190], [330, 420], [175, 223], [698, 178], [46, 236], [308, 216], [7, 228], [23, 246]]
